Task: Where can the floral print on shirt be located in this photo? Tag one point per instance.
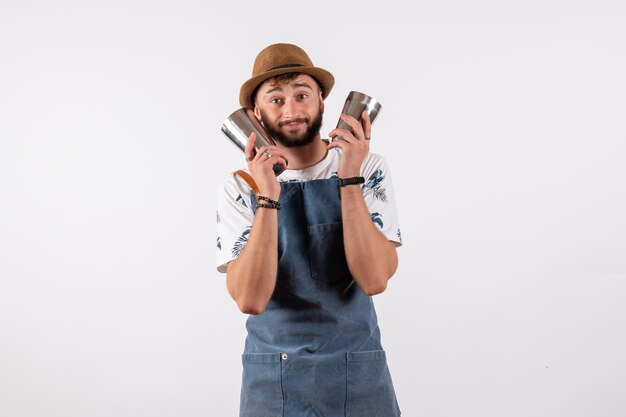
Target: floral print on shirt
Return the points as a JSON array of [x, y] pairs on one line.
[[241, 242], [374, 183]]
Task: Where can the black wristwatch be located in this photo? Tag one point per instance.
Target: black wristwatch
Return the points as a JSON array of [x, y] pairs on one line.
[[349, 181]]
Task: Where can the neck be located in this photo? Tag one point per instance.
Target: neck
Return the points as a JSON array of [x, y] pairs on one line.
[[305, 156]]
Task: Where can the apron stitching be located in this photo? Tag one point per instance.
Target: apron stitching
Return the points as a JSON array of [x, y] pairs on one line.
[[345, 403], [282, 391]]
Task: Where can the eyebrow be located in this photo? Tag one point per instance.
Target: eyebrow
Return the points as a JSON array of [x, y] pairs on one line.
[[303, 84], [271, 90], [296, 85]]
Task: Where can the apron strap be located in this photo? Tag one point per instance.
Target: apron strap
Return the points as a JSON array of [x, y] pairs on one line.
[[249, 180]]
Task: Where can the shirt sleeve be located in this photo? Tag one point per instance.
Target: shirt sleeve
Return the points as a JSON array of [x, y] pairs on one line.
[[379, 197], [234, 220]]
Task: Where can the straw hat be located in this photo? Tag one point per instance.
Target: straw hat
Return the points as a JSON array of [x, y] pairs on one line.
[[278, 59]]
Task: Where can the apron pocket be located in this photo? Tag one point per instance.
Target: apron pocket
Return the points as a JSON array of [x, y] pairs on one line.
[[326, 253], [370, 390], [261, 391]]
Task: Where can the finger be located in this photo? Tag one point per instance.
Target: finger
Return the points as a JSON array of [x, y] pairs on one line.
[[280, 160], [280, 154], [345, 134], [270, 156], [271, 150], [366, 122], [249, 151], [354, 124], [335, 144], [262, 154], [275, 159]]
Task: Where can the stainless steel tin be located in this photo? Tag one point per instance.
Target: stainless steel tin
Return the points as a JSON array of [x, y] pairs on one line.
[[239, 126], [356, 103]]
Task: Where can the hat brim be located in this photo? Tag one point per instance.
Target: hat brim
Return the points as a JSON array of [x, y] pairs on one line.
[[325, 78]]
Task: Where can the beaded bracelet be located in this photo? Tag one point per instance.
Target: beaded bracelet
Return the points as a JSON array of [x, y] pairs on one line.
[[274, 206], [269, 201]]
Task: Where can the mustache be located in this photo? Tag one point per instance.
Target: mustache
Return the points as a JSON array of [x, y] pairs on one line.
[[298, 120]]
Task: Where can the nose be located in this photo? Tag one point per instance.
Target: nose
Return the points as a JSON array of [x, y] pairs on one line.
[[290, 109]]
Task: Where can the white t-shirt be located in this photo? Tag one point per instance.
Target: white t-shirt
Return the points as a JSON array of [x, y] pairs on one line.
[[235, 215]]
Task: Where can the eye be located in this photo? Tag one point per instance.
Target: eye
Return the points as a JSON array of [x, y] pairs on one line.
[[302, 96], [276, 100]]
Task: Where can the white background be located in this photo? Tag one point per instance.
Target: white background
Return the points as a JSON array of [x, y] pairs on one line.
[[504, 126]]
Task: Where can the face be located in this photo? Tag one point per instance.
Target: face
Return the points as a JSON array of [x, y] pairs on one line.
[[291, 110]]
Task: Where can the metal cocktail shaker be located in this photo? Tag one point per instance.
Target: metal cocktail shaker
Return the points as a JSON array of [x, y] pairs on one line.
[[356, 103], [238, 127]]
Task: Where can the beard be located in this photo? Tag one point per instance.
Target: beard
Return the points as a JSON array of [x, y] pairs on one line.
[[291, 141]]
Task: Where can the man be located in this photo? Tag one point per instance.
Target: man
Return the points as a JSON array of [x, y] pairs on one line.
[[306, 250]]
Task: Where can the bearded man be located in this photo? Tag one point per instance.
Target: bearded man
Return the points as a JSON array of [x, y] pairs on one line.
[[305, 251]]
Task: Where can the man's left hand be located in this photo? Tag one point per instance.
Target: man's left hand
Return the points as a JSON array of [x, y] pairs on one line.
[[354, 144]]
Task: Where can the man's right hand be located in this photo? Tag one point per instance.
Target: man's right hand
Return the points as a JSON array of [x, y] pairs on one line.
[[260, 165]]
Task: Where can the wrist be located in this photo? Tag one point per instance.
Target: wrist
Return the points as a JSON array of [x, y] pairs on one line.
[[345, 181], [266, 202], [348, 173], [274, 194]]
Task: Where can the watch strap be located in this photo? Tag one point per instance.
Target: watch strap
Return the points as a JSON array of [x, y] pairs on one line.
[[341, 182]]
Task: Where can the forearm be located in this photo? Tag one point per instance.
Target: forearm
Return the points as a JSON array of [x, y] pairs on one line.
[[251, 278], [372, 258]]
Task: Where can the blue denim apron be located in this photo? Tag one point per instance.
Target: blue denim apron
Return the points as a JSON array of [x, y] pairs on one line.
[[315, 350]]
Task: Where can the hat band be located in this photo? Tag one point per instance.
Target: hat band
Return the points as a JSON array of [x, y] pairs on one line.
[[286, 66]]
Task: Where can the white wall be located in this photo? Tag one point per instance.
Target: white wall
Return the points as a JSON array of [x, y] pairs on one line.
[[504, 125]]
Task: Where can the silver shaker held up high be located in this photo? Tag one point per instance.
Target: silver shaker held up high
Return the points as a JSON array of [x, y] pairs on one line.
[[356, 103], [238, 127]]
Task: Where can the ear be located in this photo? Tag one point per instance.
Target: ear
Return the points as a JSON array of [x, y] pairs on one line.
[[257, 112], [321, 103]]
